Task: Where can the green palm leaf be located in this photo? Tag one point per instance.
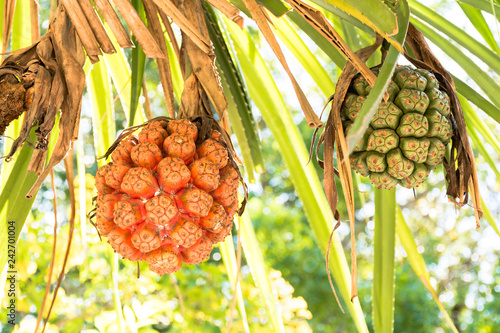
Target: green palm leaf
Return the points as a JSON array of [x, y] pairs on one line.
[[384, 77], [227, 251], [477, 19], [483, 80], [417, 263], [384, 242], [239, 110], [458, 35], [259, 270], [266, 96]]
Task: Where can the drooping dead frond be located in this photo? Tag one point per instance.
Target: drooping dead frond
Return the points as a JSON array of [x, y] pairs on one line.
[[333, 137], [460, 170], [46, 70]]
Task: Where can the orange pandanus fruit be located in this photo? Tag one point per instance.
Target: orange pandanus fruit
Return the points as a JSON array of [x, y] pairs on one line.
[[168, 195]]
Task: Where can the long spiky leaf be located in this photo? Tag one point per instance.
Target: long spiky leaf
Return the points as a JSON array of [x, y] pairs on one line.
[[53, 259], [267, 98], [483, 80], [138, 62], [417, 263], [258, 267], [458, 35], [68, 164], [384, 242], [227, 251], [239, 110]]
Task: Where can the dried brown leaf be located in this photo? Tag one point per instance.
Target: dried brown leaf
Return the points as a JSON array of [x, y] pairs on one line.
[[114, 23], [147, 104], [333, 134], [8, 17], [37, 161], [53, 259], [262, 22], [56, 99], [82, 26], [44, 51], [43, 81], [229, 10], [185, 23], [53, 9], [461, 168], [345, 175], [171, 35], [327, 260], [203, 64], [68, 164], [97, 27], [318, 21], [190, 99], [139, 29], [163, 63], [70, 59], [35, 32]]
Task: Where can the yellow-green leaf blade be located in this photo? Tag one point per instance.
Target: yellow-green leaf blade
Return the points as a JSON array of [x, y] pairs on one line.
[[475, 125], [259, 270], [488, 217], [384, 77], [477, 99], [483, 79], [477, 19], [103, 119], [303, 54], [268, 99], [417, 263], [458, 35], [374, 13], [227, 251], [384, 242], [120, 73], [138, 61], [325, 45], [472, 120]]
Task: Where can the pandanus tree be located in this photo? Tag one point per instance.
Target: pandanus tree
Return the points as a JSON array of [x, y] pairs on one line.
[[170, 194]]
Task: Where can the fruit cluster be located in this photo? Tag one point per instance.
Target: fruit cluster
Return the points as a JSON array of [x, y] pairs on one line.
[[408, 134], [167, 196]]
